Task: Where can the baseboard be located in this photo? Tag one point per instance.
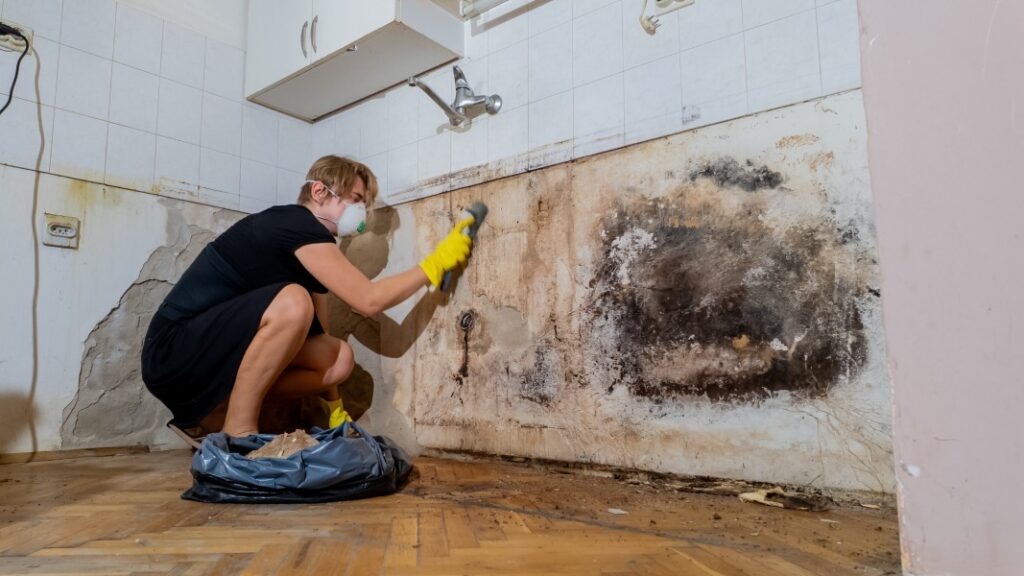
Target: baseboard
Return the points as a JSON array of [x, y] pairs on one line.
[[49, 456]]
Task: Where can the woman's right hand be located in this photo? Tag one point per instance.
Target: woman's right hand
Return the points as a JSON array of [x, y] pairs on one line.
[[452, 252]]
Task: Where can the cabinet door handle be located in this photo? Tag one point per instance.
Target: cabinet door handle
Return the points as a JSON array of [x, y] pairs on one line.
[[312, 33], [302, 39]]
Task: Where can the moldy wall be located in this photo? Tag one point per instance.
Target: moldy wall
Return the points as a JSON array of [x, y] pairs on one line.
[[706, 303]]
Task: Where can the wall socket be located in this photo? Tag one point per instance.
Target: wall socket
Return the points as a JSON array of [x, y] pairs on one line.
[[61, 231], [10, 42]]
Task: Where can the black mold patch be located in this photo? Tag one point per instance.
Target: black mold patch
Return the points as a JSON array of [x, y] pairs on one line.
[[725, 307], [728, 172], [540, 383]]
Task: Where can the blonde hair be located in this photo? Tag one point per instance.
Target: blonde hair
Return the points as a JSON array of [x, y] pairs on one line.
[[339, 174]]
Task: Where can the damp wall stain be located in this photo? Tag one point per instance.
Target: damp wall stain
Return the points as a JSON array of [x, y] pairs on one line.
[[705, 303], [697, 293]]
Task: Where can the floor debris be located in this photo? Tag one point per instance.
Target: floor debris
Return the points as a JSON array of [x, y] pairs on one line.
[[779, 498]]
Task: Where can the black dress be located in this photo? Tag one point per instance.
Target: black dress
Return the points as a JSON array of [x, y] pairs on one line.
[[198, 336]]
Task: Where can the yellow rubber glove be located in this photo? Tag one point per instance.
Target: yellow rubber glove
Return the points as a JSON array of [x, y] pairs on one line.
[[338, 415], [450, 253]]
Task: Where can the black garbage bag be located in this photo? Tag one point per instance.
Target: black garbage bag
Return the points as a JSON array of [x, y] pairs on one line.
[[340, 467]]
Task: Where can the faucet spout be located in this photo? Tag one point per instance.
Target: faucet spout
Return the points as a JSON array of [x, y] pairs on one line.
[[467, 105], [456, 118]]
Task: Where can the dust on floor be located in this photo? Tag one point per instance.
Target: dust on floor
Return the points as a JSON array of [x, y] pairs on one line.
[[122, 514]]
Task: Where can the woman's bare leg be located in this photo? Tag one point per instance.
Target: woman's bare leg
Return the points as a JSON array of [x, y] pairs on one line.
[[321, 364], [280, 336]]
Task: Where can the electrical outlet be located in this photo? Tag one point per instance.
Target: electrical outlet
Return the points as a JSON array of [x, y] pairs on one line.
[[61, 231], [11, 42]]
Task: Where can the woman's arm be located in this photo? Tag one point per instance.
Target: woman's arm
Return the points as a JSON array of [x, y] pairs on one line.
[[332, 269]]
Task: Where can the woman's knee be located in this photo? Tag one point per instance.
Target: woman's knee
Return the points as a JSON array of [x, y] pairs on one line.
[[293, 306], [343, 365]]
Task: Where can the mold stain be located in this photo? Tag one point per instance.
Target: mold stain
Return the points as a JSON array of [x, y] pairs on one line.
[[539, 384], [728, 172], [700, 294]]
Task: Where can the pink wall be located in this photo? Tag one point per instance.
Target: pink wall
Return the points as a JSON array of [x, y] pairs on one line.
[[944, 94]]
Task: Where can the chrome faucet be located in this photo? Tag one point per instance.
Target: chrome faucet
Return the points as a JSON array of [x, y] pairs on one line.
[[466, 105]]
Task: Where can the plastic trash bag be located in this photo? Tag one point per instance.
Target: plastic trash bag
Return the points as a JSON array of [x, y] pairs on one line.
[[340, 467]]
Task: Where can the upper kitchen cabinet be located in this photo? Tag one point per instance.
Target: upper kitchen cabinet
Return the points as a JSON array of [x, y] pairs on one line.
[[308, 58]]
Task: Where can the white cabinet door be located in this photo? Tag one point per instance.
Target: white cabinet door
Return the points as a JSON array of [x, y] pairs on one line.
[[339, 23], [278, 42]]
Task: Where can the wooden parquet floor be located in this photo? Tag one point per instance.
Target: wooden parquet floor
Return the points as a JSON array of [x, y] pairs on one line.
[[123, 515]]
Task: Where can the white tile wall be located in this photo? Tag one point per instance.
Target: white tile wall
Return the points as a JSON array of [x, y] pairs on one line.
[[138, 39], [42, 16], [598, 115], [219, 171], [783, 65], [177, 164], [47, 52], [184, 55], [594, 80], [402, 119], [548, 15], [503, 27], [403, 166], [258, 184], [839, 42], [704, 22], [88, 25], [132, 100], [373, 127], [550, 64], [131, 158], [180, 113], [597, 44], [323, 137], [551, 125], [288, 185], [469, 146], [653, 99], [346, 133], [508, 72], [294, 145], [222, 124], [24, 126], [508, 140], [83, 83], [759, 12], [379, 165], [224, 70], [79, 146], [259, 134], [434, 157], [639, 47], [714, 82], [581, 7]]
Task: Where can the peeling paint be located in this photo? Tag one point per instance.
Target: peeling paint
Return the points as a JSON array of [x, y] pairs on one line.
[[112, 406]]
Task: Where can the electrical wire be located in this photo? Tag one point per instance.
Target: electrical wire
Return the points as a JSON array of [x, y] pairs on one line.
[[11, 31], [7, 30]]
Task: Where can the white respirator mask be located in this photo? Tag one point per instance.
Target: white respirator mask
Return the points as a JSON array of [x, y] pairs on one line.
[[353, 218]]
